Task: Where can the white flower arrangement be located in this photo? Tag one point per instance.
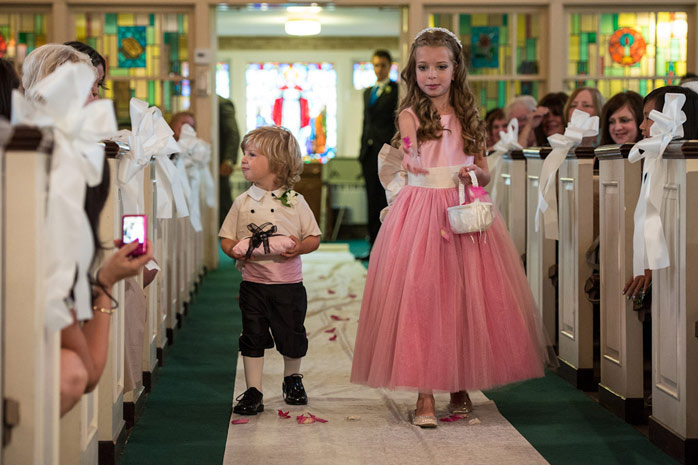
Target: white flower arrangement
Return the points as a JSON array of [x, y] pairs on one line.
[[289, 198]]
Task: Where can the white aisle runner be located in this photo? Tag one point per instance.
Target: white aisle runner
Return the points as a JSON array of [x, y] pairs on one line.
[[364, 425]]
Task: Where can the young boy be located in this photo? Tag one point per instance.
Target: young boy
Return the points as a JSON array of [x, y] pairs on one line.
[[272, 296]]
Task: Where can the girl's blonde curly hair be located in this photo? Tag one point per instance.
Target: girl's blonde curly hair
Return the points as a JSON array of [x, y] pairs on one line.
[[461, 98], [282, 151]]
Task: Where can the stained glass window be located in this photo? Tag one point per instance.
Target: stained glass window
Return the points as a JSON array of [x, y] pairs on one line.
[[626, 51], [364, 76], [502, 52], [223, 79], [147, 57], [20, 33], [302, 97]]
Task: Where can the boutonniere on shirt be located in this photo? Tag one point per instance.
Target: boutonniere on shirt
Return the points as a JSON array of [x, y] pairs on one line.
[[388, 89], [289, 198]]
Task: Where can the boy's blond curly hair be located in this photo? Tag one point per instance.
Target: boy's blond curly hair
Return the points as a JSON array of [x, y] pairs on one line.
[[282, 151]]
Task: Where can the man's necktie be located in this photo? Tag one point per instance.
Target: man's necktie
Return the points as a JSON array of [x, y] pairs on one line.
[[374, 95]]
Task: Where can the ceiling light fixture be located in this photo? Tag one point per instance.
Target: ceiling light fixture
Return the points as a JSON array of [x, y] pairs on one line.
[[302, 27]]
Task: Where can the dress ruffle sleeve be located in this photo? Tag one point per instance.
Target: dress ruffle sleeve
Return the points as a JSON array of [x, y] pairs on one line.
[[391, 174]]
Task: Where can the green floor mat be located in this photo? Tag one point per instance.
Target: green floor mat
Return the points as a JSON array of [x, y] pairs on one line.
[[185, 421], [567, 427]]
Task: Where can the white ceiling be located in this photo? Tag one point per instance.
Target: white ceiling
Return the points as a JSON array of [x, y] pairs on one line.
[[255, 20]]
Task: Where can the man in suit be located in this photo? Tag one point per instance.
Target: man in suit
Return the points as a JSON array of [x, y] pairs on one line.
[[380, 104], [229, 143]]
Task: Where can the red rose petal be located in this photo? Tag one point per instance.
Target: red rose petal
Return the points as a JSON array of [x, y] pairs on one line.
[[283, 414], [333, 338], [338, 318], [330, 291], [352, 296], [317, 418], [331, 330], [240, 421]]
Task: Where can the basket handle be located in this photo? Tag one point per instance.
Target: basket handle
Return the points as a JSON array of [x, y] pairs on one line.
[[461, 187]]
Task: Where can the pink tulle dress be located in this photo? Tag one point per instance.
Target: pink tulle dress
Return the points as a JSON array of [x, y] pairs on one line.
[[443, 311]]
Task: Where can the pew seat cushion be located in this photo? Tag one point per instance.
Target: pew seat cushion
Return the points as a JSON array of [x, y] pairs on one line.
[[277, 246]]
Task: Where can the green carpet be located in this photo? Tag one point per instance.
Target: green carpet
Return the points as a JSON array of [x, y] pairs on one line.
[[185, 421], [567, 427]]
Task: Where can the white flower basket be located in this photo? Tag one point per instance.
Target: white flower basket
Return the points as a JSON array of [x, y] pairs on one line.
[[473, 217]]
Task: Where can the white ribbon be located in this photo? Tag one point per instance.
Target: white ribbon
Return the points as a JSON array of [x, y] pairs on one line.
[[149, 136], [58, 101], [580, 126], [649, 245], [198, 153], [171, 186], [508, 141]]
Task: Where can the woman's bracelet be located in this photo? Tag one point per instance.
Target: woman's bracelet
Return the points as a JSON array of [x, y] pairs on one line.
[[108, 311]]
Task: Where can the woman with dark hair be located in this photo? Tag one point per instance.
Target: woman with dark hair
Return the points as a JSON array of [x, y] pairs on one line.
[[495, 121], [97, 60], [621, 118], [9, 80], [553, 121], [655, 101], [637, 286]]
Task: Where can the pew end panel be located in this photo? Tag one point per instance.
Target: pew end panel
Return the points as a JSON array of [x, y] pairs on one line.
[[621, 388], [540, 252], [512, 192], [674, 421], [31, 356], [576, 235]]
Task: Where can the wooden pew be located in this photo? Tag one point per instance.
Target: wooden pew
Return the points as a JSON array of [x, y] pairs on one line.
[[576, 211], [30, 365], [621, 345], [511, 193], [540, 252], [110, 390], [673, 425]]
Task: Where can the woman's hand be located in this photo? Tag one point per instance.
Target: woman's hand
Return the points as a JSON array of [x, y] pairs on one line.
[[295, 250], [639, 284], [464, 174], [537, 116], [120, 265]]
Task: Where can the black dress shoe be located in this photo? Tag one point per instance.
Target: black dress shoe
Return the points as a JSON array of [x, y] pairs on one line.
[[294, 392], [249, 402]]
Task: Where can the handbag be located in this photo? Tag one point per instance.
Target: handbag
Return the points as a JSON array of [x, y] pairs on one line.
[[475, 216]]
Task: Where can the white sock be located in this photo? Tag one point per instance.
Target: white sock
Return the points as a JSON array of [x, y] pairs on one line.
[[292, 366], [253, 371]]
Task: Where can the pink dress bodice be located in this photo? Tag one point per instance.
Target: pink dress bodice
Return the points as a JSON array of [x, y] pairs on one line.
[[448, 149]]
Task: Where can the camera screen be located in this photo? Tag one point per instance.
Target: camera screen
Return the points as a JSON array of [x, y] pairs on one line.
[[134, 229]]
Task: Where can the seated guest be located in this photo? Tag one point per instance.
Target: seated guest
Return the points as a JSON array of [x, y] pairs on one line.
[[496, 121], [550, 109], [636, 287], [523, 108], [180, 119], [621, 118]]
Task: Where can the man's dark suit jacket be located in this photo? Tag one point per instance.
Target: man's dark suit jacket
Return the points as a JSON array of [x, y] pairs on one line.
[[378, 129]]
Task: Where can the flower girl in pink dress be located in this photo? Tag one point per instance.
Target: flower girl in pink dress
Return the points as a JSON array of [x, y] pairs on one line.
[[442, 311]]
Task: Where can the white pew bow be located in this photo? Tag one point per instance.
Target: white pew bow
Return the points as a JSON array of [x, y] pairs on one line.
[[580, 126], [149, 136], [172, 190], [58, 101], [200, 178], [508, 141], [649, 245]]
